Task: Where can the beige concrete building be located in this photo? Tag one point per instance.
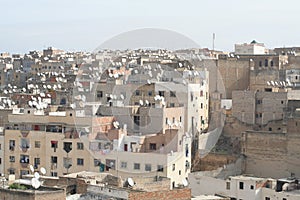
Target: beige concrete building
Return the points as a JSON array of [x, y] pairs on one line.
[[48, 140]]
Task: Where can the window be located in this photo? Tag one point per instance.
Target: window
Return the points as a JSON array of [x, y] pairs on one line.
[[260, 63], [123, 164], [24, 159], [24, 143], [136, 166], [0, 161], [161, 93], [97, 162], [267, 198], [272, 63], [167, 120], [266, 62], [152, 146], [201, 93], [11, 171], [179, 172], [172, 105], [80, 145], [173, 167], [241, 185], [54, 144], [201, 105], [11, 158], [160, 168], [54, 174], [180, 119], [148, 167], [80, 161], [37, 144], [99, 94], [251, 187], [53, 159], [137, 93], [67, 146], [150, 93], [37, 161], [173, 120], [12, 145], [172, 94], [259, 101], [227, 185]]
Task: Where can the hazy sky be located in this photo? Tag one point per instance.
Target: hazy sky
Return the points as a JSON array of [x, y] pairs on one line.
[[85, 24]]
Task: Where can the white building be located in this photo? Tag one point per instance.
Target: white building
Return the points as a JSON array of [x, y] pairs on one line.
[[253, 48]]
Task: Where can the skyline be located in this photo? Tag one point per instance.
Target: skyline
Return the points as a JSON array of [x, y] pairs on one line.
[[84, 25]]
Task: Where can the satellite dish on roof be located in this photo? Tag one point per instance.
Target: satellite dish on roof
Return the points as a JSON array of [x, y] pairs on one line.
[[130, 182], [31, 168], [35, 183], [116, 124], [43, 170], [141, 102], [36, 175], [185, 182]]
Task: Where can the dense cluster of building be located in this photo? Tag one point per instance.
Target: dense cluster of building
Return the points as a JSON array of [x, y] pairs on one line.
[[140, 124]]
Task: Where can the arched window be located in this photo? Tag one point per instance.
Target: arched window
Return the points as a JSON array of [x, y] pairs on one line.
[[272, 63]]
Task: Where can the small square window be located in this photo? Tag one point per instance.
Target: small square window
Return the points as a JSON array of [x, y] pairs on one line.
[[160, 168], [137, 93], [37, 144], [80, 161], [252, 187], [11, 158], [80, 145], [148, 167], [123, 164], [136, 166]]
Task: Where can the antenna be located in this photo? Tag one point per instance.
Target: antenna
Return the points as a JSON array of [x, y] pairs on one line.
[[214, 37]]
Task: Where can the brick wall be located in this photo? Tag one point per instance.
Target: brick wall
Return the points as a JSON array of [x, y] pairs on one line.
[[176, 194]]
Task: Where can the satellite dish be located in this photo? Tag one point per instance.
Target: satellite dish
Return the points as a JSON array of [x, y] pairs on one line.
[[35, 183], [130, 182], [81, 104], [116, 124], [184, 182], [141, 102], [31, 168], [43, 170], [146, 102], [36, 175]]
